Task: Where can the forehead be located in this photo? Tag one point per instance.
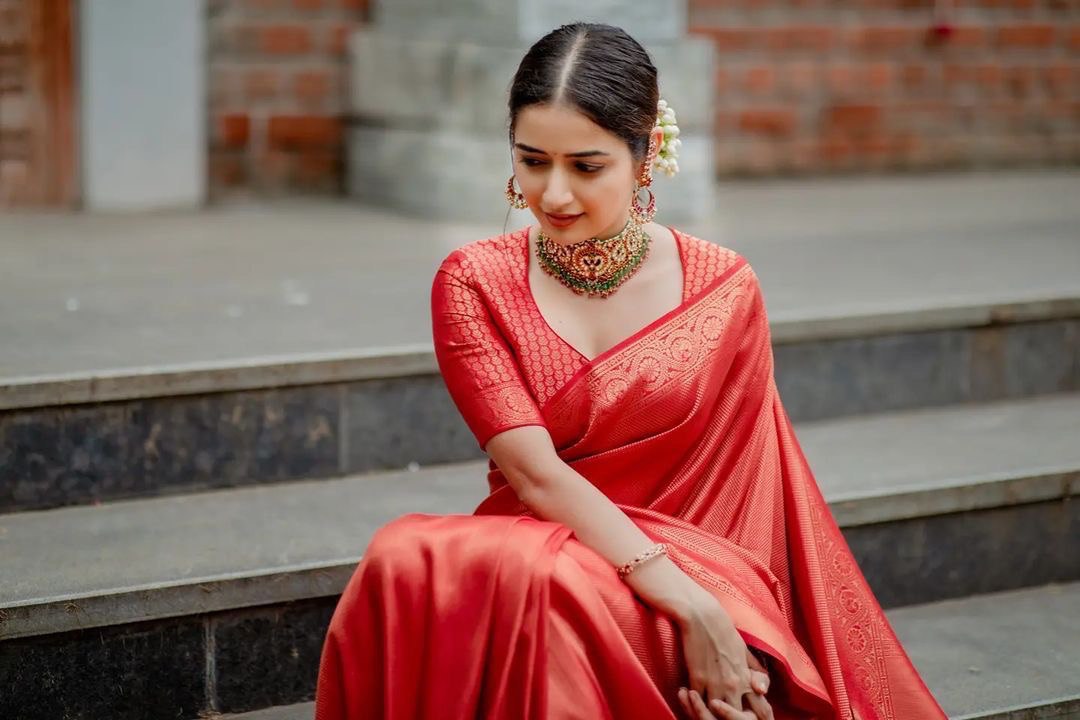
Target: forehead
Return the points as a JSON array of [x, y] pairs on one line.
[[560, 129]]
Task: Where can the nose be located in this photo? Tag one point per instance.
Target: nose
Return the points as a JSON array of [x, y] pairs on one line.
[[557, 195]]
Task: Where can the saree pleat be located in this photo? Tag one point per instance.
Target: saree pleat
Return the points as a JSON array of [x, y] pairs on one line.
[[500, 614]]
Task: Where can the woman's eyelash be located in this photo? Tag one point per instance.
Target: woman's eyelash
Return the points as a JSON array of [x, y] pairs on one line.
[[531, 162]]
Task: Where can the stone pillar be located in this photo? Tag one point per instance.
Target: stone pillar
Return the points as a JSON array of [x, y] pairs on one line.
[[429, 83], [143, 104]]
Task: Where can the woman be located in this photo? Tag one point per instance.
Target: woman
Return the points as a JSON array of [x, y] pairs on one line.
[[654, 544]]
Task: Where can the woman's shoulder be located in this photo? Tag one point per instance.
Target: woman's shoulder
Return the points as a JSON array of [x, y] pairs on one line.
[[705, 260], [481, 257]]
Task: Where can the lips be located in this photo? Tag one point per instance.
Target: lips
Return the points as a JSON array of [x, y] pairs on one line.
[[560, 220]]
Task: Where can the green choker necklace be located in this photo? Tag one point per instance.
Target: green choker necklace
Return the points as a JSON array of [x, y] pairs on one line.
[[595, 267]]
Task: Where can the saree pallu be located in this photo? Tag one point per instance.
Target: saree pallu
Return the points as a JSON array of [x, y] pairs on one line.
[[501, 614]]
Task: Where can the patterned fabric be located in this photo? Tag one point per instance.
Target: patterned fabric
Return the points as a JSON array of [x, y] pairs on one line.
[[502, 614]]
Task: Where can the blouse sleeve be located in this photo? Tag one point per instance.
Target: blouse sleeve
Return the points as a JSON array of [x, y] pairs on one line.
[[476, 362]]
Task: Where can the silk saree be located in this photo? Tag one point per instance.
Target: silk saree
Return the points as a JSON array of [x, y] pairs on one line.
[[501, 614]]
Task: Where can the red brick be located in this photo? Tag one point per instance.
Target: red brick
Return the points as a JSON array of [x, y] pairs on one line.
[[288, 132], [875, 38], [338, 38], [774, 122], [233, 131], [800, 38], [914, 77], [285, 40], [853, 119], [969, 37], [989, 78], [1025, 36], [1060, 78], [878, 77], [1019, 80], [1072, 39], [722, 81], [315, 87], [727, 40], [262, 84], [759, 80], [257, 7], [308, 5], [354, 5], [800, 78], [317, 169], [227, 171], [840, 79], [833, 150]]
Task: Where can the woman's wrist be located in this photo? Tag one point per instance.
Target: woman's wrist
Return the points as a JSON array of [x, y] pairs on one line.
[[664, 586]]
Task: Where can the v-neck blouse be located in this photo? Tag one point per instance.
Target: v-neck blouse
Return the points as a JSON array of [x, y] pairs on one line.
[[500, 358]]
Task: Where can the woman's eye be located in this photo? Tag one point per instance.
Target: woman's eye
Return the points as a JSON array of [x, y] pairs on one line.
[[589, 168], [531, 161]]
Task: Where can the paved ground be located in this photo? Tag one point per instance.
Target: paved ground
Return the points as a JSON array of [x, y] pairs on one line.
[[81, 293]]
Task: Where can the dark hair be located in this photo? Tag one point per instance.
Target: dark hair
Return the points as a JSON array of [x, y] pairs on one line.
[[599, 70]]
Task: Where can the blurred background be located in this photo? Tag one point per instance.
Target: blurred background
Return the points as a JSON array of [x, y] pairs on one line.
[[219, 221]]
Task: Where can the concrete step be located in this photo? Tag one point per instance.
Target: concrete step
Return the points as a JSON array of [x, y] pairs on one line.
[[1004, 656], [164, 431], [226, 595]]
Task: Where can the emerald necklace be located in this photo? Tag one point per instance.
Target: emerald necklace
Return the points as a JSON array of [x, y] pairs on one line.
[[595, 267]]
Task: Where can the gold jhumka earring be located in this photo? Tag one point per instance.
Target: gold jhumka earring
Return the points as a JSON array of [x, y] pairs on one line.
[[515, 198], [643, 215]]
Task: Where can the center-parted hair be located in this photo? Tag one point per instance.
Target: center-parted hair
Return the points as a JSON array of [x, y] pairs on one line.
[[599, 70]]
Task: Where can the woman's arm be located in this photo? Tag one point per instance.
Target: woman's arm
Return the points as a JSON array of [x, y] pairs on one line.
[[555, 491]]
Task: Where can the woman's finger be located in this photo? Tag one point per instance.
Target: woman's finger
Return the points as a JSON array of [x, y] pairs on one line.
[[700, 709], [688, 705], [726, 711], [759, 674], [759, 706]]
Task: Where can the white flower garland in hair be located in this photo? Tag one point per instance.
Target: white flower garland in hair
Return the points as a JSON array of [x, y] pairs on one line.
[[666, 158]]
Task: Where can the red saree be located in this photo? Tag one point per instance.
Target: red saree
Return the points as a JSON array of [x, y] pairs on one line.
[[500, 614]]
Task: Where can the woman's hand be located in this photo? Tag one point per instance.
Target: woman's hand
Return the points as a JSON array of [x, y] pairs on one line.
[[721, 667]]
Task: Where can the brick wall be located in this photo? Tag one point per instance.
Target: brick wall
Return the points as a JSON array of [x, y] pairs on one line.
[[37, 113], [819, 86], [804, 86], [277, 72], [14, 82]]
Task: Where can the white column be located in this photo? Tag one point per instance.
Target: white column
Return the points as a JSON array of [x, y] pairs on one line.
[[143, 103]]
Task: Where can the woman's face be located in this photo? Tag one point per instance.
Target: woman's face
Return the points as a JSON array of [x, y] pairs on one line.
[[577, 177]]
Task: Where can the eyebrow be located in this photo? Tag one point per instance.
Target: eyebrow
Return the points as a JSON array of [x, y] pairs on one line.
[[584, 153]]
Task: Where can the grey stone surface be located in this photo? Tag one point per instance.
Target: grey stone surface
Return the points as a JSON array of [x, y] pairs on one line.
[[269, 656], [997, 651], [880, 373], [200, 553], [948, 556], [75, 454], [155, 670], [845, 377], [392, 423], [929, 461], [1027, 359]]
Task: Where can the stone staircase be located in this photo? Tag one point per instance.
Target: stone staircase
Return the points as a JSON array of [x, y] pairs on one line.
[[173, 540]]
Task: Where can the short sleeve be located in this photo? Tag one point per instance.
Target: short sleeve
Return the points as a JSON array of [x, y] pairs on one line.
[[476, 362]]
